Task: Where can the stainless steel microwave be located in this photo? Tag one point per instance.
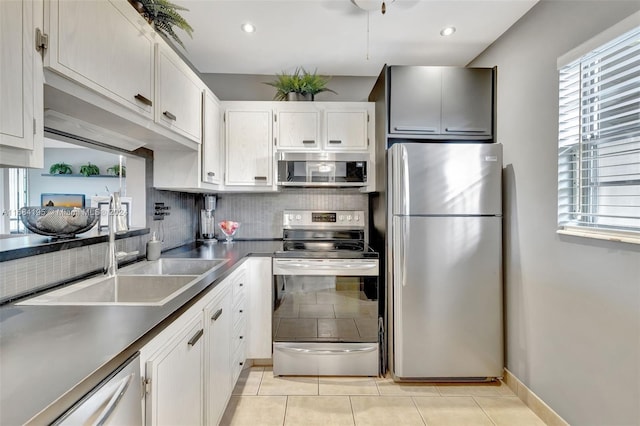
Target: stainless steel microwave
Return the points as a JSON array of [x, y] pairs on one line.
[[322, 169]]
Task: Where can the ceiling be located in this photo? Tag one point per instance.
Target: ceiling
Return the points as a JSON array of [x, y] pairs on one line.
[[330, 36]]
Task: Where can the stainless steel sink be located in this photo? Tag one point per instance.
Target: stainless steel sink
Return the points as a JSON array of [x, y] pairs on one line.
[[170, 266], [119, 290], [144, 283]]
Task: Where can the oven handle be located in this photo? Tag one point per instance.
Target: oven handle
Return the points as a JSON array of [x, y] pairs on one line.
[[328, 265], [328, 351]]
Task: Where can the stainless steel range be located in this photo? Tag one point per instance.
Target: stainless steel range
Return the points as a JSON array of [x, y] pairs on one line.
[[326, 313]]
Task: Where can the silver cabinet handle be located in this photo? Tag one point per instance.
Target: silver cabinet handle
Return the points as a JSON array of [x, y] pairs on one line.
[[211, 174], [454, 130], [143, 99], [114, 401], [216, 315], [415, 129], [169, 115], [195, 337], [260, 178], [336, 141], [308, 141]]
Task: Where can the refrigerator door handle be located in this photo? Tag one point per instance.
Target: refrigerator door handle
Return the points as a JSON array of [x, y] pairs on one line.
[[399, 241], [400, 173]]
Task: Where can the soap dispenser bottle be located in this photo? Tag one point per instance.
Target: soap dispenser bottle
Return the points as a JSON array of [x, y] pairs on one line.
[[154, 246]]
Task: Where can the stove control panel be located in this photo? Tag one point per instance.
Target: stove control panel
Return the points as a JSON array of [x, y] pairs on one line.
[[353, 219]]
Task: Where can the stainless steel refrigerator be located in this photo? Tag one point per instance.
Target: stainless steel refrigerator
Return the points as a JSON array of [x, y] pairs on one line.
[[444, 272]]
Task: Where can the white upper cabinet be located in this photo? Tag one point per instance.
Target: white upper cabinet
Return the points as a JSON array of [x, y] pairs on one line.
[[21, 129], [249, 153], [297, 130], [105, 46], [211, 171], [347, 130], [178, 95], [322, 126]]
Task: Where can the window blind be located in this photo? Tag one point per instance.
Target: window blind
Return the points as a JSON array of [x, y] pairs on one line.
[[599, 138]]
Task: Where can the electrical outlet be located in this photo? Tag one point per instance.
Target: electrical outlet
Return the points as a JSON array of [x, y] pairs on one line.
[[160, 211]]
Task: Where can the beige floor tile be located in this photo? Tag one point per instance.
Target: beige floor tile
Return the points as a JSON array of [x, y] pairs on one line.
[[476, 389], [297, 327], [347, 386], [451, 410], [316, 311], [508, 411], [318, 410], [386, 386], [252, 410], [271, 385], [385, 411], [249, 381], [344, 328]]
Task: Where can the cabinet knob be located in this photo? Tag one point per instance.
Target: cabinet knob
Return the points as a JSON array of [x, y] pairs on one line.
[[259, 178], [241, 337], [335, 141], [308, 141], [241, 311], [211, 174], [241, 284], [242, 363], [143, 99]]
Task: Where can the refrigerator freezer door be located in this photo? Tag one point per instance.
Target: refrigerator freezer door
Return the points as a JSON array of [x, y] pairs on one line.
[[447, 292], [446, 178]]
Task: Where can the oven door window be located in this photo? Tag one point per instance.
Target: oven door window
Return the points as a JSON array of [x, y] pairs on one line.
[[325, 308], [322, 172]]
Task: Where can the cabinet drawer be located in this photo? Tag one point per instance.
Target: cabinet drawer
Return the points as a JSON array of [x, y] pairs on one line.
[[239, 312], [238, 360]]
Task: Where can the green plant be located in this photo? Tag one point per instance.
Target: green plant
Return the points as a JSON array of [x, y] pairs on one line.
[[60, 169], [163, 16], [116, 170], [300, 81], [89, 170]]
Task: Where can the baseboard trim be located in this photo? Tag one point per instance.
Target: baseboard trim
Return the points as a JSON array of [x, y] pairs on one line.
[[533, 401]]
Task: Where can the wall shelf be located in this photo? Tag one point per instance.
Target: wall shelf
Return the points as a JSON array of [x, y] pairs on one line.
[[80, 175]]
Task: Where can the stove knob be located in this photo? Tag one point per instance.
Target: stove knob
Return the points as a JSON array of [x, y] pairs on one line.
[[357, 218], [349, 218], [341, 218], [298, 217]]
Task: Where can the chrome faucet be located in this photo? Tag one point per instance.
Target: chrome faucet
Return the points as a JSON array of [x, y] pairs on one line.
[[117, 225]]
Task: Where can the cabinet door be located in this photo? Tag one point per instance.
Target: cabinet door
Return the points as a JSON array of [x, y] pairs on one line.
[[20, 86], [414, 98], [211, 139], [346, 130], [218, 386], [298, 130], [467, 102], [259, 306], [105, 46], [176, 377], [249, 149], [179, 96]]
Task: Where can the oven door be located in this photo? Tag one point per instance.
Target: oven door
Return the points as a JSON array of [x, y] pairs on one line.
[[325, 317]]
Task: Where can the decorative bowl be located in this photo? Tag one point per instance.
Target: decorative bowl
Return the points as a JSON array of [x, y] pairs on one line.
[[59, 222], [229, 228]]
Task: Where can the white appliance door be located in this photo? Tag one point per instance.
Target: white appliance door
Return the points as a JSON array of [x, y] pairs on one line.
[[447, 284], [445, 178]]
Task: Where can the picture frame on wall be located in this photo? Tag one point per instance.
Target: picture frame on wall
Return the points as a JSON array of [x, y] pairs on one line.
[[49, 199], [103, 204]]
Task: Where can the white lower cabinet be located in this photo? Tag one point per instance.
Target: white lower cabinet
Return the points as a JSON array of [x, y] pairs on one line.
[[175, 378], [218, 317], [191, 367], [259, 307]]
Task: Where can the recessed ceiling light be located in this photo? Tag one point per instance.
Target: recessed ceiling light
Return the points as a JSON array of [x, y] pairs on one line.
[[447, 31], [248, 27]]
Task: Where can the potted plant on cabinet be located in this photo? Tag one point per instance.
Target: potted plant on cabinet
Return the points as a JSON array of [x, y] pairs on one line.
[[116, 169], [163, 15], [299, 85]]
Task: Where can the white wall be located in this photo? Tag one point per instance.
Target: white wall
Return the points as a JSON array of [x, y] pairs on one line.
[[572, 304]]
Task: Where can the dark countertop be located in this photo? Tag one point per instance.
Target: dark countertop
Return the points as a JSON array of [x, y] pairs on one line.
[[25, 245], [52, 355]]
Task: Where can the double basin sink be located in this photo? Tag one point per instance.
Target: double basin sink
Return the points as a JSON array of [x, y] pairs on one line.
[[145, 283]]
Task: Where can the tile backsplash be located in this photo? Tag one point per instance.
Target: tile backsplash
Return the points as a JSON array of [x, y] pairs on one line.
[[260, 215], [28, 274]]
